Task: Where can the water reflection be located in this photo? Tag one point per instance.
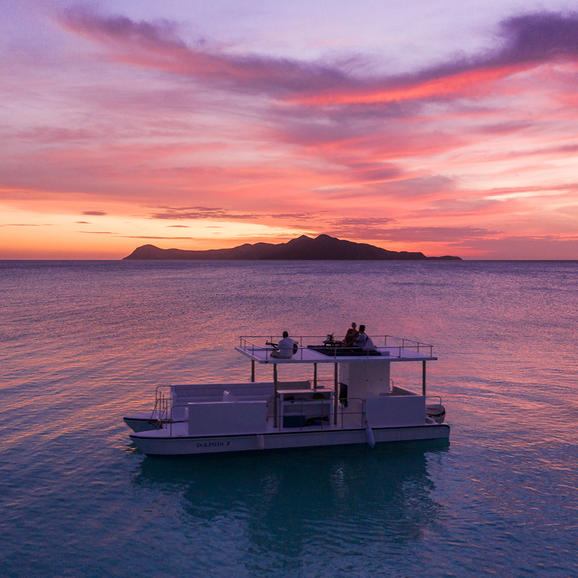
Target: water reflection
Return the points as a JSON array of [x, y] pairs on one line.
[[289, 502]]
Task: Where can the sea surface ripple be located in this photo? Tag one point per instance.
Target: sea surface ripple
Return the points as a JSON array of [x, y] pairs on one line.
[[83, 343]]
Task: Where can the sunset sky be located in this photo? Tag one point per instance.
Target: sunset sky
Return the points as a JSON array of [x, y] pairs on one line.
[[438, 126]]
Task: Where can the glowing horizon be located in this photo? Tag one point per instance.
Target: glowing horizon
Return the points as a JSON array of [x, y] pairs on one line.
[[199, 127]]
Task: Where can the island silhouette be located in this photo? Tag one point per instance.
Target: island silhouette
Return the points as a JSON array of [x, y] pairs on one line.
[[323, 247]]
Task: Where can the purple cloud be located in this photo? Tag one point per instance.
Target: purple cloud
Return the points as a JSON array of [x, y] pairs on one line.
[[506, 127], [436, 234], [214, 213], [378, 229], [59, 135], [525, 39], [200, 213], [410, 188], [94, 213], [539, 37], [157, 45]]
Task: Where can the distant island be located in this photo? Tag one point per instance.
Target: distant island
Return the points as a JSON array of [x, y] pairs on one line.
[[322, 247]]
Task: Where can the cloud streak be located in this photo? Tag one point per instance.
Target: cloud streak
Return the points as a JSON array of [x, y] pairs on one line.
[[157, 45], [524, 42]]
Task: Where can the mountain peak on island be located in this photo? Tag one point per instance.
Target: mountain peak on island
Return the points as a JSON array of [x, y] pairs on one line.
[[323, 247]]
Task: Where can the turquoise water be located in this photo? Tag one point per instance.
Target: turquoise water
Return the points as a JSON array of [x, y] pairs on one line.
[[85, 342]]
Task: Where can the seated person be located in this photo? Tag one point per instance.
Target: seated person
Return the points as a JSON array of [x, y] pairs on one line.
[[351, 335], [363, 340], [286, 348]]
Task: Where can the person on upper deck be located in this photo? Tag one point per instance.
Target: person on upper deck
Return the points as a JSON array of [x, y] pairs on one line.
[[351, 335], [286, 348], [363, 340]]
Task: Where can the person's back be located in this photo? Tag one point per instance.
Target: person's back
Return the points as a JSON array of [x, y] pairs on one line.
[[351, 335], [286, 348]]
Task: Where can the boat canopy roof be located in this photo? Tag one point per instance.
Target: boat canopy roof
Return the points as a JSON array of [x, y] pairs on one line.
[[315, 349]]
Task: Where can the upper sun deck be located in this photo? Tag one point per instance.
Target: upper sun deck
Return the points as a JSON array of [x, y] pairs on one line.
[[313, 350]]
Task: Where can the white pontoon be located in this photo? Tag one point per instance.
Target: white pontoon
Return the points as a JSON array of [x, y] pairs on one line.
[[357, 405]]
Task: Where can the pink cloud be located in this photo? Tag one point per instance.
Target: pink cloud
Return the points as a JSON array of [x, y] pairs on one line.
[[526, 42]]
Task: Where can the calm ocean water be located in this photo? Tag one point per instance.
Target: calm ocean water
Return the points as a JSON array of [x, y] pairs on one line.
[[83, 342]]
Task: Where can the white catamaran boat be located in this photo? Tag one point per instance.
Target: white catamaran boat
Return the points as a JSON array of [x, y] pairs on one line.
[[357, 405]]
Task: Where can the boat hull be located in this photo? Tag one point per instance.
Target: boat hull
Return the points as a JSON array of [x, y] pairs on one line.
[[155, 443]]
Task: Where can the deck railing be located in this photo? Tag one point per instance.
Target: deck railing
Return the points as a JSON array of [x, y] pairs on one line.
[[162, 409], [395, 346], [350, 412]]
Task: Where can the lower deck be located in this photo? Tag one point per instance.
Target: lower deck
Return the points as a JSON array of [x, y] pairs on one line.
[[258, 407]]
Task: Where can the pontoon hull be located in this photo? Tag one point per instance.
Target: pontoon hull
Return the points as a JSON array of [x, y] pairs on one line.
[[154, 443]]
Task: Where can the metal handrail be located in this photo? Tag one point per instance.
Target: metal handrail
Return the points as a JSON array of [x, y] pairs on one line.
[[162, 404], [252, 343]]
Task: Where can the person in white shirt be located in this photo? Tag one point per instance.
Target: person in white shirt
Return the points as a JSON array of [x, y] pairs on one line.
[[286, 348], [363, 340]]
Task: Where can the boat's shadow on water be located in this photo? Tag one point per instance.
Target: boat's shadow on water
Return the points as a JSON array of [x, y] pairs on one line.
[[355, 492]]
